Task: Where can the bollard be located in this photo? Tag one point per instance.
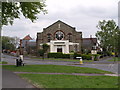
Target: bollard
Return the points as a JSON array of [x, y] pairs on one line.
[[81, 62]]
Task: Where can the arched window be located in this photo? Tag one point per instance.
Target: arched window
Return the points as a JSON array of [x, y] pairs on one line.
[[49, 37], [70, 37]]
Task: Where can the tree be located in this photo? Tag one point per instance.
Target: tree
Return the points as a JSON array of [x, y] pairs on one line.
[[108, 36], [45, 47], [11, 11], [43, 50], [9, 43]]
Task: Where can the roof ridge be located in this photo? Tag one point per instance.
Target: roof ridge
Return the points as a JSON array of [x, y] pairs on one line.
[[27, 37], [59, 21]]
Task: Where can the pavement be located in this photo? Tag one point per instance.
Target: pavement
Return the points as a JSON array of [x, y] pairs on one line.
[[11, 80]]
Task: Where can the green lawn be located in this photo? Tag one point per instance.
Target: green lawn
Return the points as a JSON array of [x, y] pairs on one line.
[[72, 60], [115, 59], [53, 69], [71, 81], [3, 62]]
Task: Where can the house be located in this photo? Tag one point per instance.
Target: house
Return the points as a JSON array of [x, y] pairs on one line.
[[24, 44], [31, 47], [89, 44]]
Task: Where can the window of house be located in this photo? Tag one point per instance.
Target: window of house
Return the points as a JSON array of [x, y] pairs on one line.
[[70, 37]]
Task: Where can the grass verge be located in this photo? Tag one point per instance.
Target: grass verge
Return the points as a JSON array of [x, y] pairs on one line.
[[53, 69], [115, 59], [3, 62], [71, 81]]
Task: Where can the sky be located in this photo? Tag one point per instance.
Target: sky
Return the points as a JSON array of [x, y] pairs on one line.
[[81, 14]]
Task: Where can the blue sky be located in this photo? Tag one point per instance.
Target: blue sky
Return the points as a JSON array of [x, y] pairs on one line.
[[82, 14]]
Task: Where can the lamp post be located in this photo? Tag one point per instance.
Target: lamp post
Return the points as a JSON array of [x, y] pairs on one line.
[[21, 51]]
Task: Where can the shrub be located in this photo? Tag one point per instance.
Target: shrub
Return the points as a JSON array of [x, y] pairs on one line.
[[58, 55], [66, 56], [41, 52], [76, 55], [86, 57], [96, 57]]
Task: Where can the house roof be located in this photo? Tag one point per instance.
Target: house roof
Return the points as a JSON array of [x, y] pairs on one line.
[[87, 42], [27, 37], [94, 40]]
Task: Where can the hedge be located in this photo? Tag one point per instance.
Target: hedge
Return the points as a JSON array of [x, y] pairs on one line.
[[84, 56], [58, 55], [96, 57], [76, 55]]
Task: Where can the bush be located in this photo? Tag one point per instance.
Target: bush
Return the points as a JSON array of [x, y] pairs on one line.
[[66, 55], [58, 55], [76, 55], [41, 52], [96, 57], [86, 57]]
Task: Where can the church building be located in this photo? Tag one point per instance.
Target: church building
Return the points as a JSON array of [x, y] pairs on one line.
[[60, 37]]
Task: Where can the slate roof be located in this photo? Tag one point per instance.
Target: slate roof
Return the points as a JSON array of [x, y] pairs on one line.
[[89, 42]]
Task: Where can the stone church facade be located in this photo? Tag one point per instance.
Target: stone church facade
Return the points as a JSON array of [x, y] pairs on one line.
[[61, 37]]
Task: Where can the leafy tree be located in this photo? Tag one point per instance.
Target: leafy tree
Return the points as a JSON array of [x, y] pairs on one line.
[[43, 50], [45, 47], [8, 43], [11, 11], [108, 36]]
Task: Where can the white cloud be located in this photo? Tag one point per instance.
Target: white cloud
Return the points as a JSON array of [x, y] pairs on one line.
[[82, 14]]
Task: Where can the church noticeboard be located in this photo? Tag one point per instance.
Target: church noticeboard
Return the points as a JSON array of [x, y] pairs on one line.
[[93, 51]]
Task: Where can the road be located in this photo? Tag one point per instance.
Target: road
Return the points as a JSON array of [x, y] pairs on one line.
[[112, 67]]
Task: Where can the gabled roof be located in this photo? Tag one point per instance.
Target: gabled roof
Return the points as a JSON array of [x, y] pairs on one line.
[[59, 21], [27, 37]]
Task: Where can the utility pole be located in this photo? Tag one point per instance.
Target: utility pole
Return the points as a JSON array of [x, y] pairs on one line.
[[0, 29], [21, 51]]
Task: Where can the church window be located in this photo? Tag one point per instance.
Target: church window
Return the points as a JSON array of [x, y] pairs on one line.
[[70, 37], [49, 37], [59, 35]]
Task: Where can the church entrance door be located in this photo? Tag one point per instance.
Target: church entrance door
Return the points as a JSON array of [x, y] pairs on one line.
[[59, 49]]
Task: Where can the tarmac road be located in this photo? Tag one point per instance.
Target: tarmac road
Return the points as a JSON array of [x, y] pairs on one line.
[[113, 67]]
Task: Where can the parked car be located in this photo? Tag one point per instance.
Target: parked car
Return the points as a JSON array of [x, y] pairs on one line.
[[13, 53]]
